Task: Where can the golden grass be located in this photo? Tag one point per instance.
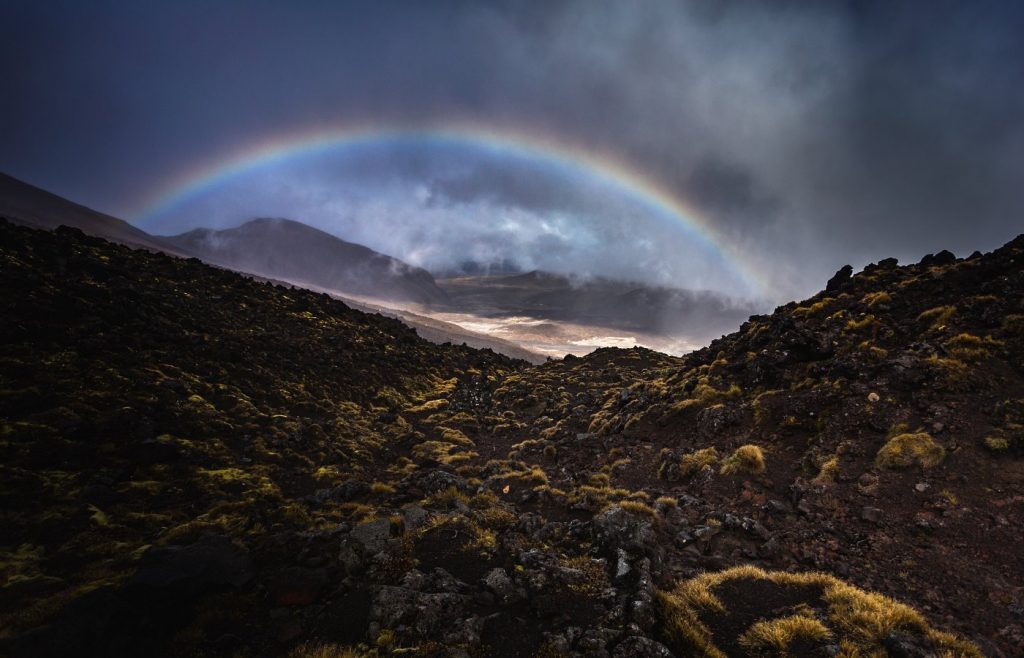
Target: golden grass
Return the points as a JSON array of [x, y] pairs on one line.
[[906, 450], [829, 471], [382, 488], [970, 348], [857, 619], [637, 507], [996, 443], [873, 299], [856, 325], [815, 308], [319, 650], [746, 460], [779, 634], [938, 317], [698, 460]]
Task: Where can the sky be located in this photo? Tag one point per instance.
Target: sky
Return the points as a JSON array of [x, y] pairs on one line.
[[798, 136]]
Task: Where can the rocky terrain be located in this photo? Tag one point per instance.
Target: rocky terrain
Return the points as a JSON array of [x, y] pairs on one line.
[[29, 205], [196, 463]]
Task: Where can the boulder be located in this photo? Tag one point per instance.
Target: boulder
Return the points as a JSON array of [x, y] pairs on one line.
[[211, 560], [373, 535], [638, 646], [839, 279]]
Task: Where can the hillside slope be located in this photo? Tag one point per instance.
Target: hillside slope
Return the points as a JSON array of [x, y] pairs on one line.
[[32, 206], [281, 248], [194, 463]]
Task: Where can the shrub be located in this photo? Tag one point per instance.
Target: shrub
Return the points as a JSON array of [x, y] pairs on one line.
[[905, 450], [696, 461], [996, 443], [858, 621], [829, 471], [969, 348], [779, 634], [868, 321], [875, 298], [747, 459], [938, 316]]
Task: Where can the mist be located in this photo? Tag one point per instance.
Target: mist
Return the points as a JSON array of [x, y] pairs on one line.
[[809, 135]]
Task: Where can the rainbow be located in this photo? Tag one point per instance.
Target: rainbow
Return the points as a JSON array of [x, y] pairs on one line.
[[551, 152]]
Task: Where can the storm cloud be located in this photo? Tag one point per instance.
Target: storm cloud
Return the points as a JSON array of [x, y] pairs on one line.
[[808, 134]]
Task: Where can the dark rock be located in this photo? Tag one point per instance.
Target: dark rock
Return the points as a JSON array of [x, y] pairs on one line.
[[428, 613], [373, 535], [414, 516], [211, 560], [497, 581], [615, 528], [901, 645], [432, 481], [344, 492], [296, 586], [352, 555], [839, 279], [871, 514], [638, 646]]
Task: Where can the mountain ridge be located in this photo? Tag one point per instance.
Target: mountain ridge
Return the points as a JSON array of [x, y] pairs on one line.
[[268, 246]]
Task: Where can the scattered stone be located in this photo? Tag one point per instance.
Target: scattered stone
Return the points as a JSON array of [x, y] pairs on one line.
[[373, 535], [638, 646], [871, 514], [413, 517], [616, 528], [211, 560], [497, 581], [622, 568], [344, 492], [432, 481]]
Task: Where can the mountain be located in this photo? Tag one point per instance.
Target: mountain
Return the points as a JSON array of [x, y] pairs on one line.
[[31, 206], [281, 248], [625, 305], [196, 463]]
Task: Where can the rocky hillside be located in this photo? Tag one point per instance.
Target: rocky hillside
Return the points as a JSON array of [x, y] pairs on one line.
[[285, 249], [194, 463], [29, 205]]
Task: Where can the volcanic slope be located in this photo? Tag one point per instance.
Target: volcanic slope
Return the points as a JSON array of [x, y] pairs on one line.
[[294, 251], [194, 463]]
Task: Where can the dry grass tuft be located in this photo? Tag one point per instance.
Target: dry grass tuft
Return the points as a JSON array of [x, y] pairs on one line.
[[319, 650], [857, 620], [829, 471], [938, 317], [906, 450], [875, 298], [746, 460], [779, 634]]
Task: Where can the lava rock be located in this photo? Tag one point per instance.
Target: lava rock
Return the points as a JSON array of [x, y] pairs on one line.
[[211, 560], [373, 535], [638, 646]]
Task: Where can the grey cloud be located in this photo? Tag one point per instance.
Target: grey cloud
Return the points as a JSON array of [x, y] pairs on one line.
[[809, 134]]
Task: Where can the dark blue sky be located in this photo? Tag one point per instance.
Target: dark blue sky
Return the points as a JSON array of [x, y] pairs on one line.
[[848, 131]]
